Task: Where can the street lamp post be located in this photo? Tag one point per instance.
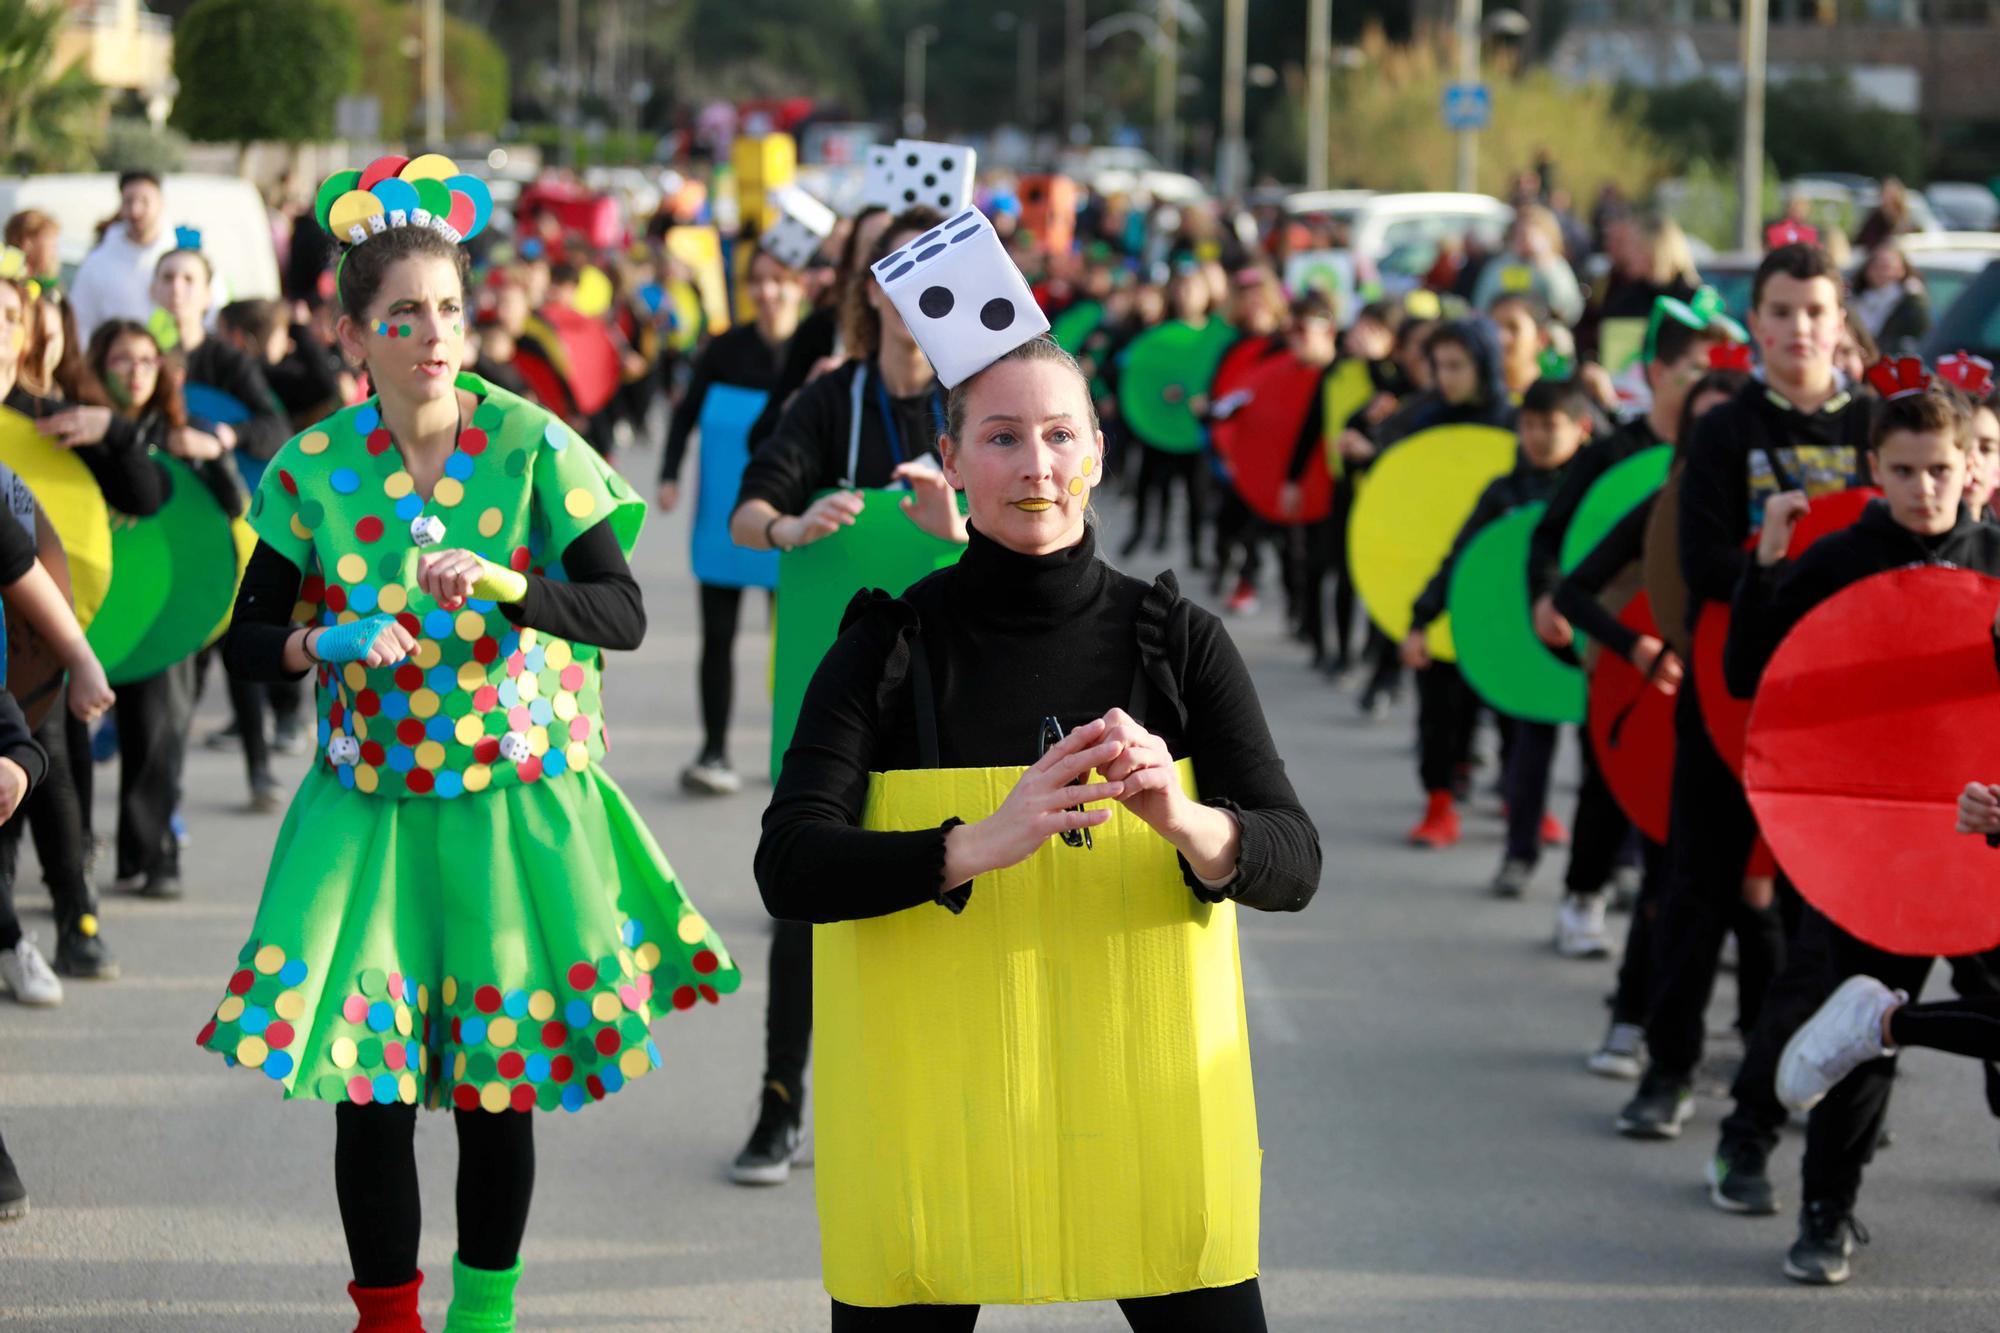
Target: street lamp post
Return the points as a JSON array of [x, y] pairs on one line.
[[1319, 89], [1166, 84], [1230, 162], [1073, 26], [1750, 164], [1468, 75], [433, 72], [913, 78]]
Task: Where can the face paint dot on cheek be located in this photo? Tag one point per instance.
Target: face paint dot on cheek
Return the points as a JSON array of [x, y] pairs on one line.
[[1076, 485], [1088, 465]]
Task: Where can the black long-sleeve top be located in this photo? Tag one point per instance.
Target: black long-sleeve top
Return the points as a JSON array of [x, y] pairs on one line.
[[811, 341], [740, 357], [808, 452], [1576, 596], [17, 557], [307, 381], [119, 463], [1316, 432], [1011, 639], [1744, 451], [1771, 599], [228, 368], [1524, 485], [1606, 452], [599, 604]]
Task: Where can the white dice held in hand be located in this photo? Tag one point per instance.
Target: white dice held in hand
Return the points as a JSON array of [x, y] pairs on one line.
[[934, 175], [961, 296]]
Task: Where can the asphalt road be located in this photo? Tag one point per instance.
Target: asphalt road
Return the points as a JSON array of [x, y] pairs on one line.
[[1436, 1157]]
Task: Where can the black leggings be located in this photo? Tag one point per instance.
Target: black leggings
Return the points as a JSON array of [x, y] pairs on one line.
[[720, 610], [1969, 1025], [375, 1177], [1158, 471], [1237, 1309], [55, 817]]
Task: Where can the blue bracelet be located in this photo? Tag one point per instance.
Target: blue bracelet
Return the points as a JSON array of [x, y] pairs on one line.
[[350, 642]]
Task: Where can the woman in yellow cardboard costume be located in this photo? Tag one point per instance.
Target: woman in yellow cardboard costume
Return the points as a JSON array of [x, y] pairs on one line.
[[1033, 1073]]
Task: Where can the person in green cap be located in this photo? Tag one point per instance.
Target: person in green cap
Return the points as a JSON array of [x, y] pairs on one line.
[[462, 909]]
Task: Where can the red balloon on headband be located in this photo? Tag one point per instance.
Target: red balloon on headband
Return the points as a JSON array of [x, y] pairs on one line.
[[463, 212], [1873, 715], [1725, 714], [381, 169]]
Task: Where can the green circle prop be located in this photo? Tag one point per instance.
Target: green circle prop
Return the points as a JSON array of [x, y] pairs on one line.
[[1494, 629], [1075, 324], [1407, 512], [1164, 368], [330, 189], [176, 581], [1623, 487]]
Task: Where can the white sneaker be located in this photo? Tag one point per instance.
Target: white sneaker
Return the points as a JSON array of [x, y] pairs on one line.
[[1621, 1054], [1580, 927], [28, 975], [1844, 1034], [711, 777], [1511, 880], [1625, 881]]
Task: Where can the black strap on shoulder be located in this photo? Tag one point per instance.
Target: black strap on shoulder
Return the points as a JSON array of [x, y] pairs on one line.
[[924, 702], [1141, 701]]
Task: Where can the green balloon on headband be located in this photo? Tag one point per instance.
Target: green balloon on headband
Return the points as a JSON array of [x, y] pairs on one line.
[[1704, 311], [334, 186], [435, 196]]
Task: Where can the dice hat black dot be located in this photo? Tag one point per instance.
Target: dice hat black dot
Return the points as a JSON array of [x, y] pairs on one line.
[[936, 302], [926, 238], [965, 235], [930, 182], [892, 277], [996, 314], [911, 160], [925, 256], [945, 164], [967, 216], [909, 196]]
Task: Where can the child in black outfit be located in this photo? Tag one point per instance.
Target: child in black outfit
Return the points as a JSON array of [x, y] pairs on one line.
[[1552, 424], [1919, 462]]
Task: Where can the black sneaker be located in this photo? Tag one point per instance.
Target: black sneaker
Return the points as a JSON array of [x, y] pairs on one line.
[[1658, 1109], [288, 738], [1738, 1179], [81, 951], [1827, 1232], [775, 1144], [161, 886], [13, 1194]]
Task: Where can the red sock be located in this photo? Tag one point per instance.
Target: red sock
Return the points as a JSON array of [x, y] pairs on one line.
[[388, 1309]]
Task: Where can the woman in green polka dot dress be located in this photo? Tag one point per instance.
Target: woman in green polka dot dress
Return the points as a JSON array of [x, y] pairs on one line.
[[462, 909]]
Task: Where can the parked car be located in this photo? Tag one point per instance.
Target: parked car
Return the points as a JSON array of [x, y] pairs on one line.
[[226, 210], [1396, 238], [1972, 324], [1963, 205]]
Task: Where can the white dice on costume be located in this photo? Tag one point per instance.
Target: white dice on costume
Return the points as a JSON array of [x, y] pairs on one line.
[[343, 749], [913, 172], [802, 223], [426, 530], [961, 296], [514, 748]]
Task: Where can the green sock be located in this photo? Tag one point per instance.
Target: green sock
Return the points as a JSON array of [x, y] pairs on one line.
[[482, 1300]]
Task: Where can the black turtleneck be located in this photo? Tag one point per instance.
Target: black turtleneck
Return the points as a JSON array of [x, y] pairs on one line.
[[1011, 639], [1770, 599], [1545, 545]]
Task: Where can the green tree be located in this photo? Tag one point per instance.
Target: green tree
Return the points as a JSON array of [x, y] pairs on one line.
[[48, 119], [253, 69], [1813, 122]]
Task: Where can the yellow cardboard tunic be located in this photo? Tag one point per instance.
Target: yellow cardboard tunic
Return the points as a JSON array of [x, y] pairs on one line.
[[1044, 1098]]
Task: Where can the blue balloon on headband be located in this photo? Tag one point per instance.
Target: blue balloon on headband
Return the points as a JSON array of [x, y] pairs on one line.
[[397, 194], [476, 190]]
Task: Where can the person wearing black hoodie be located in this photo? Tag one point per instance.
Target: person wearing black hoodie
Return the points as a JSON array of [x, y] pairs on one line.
[[1796, 428], [1919, 462], [1553, 422], [1464, 358]]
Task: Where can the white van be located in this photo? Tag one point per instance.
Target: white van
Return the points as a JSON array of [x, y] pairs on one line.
[[227, 210]]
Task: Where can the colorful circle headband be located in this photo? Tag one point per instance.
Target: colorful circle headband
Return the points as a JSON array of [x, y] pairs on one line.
[[427, 191]]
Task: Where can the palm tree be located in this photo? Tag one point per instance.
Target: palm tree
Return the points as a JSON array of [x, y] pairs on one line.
[[48, 120]]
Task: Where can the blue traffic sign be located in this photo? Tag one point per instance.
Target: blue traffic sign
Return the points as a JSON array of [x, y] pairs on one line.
[[1468, 106]]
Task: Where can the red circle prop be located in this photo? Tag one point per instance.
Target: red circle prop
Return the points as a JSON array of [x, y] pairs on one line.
[[1725, 714], [381, 169], [1875, 712], [1255, 442], [1632, 730]]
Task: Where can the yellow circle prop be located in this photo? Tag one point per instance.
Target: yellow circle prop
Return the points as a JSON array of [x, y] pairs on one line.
[[1408, 511], [68, 494], [593, 292], [430, 166], [356, 206]]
